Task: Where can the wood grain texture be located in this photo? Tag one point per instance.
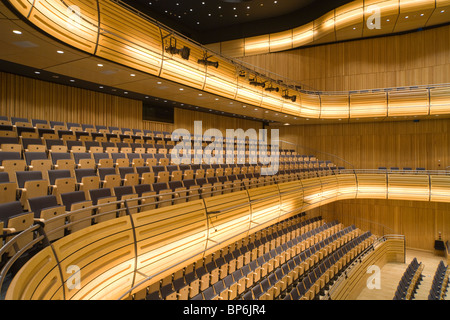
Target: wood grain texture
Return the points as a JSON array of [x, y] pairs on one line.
[[419, 221], [417, 58], [377, 144], [35, 99]]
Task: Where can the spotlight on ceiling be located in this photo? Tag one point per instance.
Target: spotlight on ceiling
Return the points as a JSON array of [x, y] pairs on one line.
[[183, 52], [271, 89], [206, 62], [288, 97], [255, 83]]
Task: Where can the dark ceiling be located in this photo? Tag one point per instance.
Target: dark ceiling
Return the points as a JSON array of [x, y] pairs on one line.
[[210, 21]]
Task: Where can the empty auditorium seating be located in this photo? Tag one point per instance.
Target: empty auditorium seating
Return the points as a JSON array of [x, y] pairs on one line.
[[291, 260], [409, 281], [439, 286]]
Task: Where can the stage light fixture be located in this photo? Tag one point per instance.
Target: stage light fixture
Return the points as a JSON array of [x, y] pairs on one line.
[[183, 52], [207, 62], [255, 83], [288, 97], [271, 89]]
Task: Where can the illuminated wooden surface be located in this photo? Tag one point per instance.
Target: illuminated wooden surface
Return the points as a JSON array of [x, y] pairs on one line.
[[111, 32], [349, 21], [170, 235], [390, 251]]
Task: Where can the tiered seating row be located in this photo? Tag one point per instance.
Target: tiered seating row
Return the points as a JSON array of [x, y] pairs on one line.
[[236, 265], [52, 168], [297, 267], [409, 281], [439, 287], [328, 270]]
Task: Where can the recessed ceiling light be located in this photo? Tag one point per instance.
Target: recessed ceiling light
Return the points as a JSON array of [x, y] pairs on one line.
[[71, 80], [60, 51], [147, 97], [181, 89], [37, 72], [217, 99], [99, 65], [159, 82], [421, 14], [244, 106], [132, 75], [256, 109], [406, 17], [200, 94], [17, 32], [442, 11], [101, 87], [126, 92]]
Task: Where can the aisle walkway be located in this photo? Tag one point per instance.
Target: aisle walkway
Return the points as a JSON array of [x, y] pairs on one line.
[[391, 274]]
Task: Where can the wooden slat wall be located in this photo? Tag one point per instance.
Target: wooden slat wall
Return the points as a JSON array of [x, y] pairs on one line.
[[418, 58], [420, 222], [35, 99], [185, 119], [372, 145]]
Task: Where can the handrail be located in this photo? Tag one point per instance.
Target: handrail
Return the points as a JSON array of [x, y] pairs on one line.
[[146, 53], [240, 63], [309, 201], [343, 276]]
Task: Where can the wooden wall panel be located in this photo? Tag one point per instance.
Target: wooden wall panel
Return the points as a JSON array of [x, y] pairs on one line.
[[379, 144], [35, 99], [185, 119], [420, 222], [418, 58]]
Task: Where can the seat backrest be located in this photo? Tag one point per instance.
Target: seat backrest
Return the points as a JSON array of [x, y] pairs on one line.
[[60, 156], [24, 176], [103, 172], [72, 197], [123, 190], [30, 156], [175, 185], [97, 194], [4, 177], [10, 209], [81, 173], [4, 155], [39, 203], [141, 170], [142, 188], [160, 186], [58, 174], [81, 155]]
